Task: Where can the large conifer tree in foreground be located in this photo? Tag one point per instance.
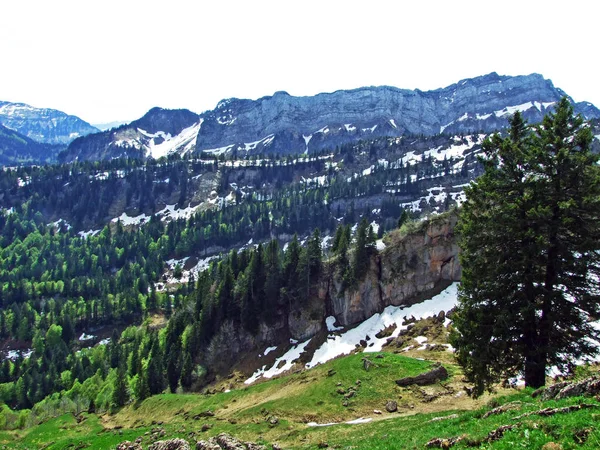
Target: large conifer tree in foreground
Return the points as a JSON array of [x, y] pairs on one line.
[[529, 237]]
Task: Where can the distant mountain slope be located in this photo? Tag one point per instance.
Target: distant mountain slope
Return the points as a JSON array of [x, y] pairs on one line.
[[158, 133], [16, 149], [287, 124], [108, 125], [283, 124], [43, 124]]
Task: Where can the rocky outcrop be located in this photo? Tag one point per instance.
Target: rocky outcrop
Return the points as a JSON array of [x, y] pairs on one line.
[[127, 445], [587, 387], [44, 125], [306, 320], [225, 441], [355, 304], [433, 376], [170, 444], [412, 265], [416, 263], [231, 341]]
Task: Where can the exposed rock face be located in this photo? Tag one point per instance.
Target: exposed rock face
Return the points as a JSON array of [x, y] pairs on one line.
[[587, 387], [170, 444], [285, 124], [351, 306], [305, 321], [42, 124], [418, 263], [415, 264], [232, 341], [424, 379]]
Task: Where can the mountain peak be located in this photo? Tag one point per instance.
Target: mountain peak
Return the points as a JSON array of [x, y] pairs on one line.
[[286, 124], [44, 125]]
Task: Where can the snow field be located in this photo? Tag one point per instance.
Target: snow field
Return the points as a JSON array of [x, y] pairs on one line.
[[344, 343]]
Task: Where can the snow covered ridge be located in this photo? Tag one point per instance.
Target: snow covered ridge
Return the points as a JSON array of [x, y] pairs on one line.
[[507, 111], [159, 144], [344, 343], [45, 125]]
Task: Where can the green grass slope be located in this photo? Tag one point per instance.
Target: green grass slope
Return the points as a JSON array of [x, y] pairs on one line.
[[280, 411]]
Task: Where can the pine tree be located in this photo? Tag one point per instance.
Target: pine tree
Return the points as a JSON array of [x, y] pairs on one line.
[[363, 249], [187, 370], [291, 265], [142, 389], [529, 238], [404, 217], [315, 254], [173, 369], [120, 394], [155, 369], [273, 280]]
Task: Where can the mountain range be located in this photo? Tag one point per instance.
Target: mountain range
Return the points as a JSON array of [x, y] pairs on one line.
[[284, 124], [45, 125], [208, 253]]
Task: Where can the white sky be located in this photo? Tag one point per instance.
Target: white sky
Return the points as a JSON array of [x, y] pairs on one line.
[[113, 60]]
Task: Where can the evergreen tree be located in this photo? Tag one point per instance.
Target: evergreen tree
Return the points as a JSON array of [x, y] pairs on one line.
[[272, 281], [187, 371], [173, 370], [404, 217], [120, 394], [142, 389], [291, 264], [363, 249], [529, 239], [155, 369], [336, 240]]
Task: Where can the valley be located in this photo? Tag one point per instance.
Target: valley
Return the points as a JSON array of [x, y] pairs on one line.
[[286, 270]]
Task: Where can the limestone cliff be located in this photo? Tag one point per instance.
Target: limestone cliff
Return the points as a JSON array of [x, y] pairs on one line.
[[416, 263], [411, 265], [284, 124]]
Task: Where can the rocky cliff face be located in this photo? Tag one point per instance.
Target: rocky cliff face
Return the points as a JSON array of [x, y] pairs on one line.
[[44, 125], [286, 124], [411, 266]]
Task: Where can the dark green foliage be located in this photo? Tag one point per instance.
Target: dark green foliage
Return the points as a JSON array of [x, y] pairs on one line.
[[155, 370], [186, 372], [16, 149], [529, 238], [404, 217], [120, 394], [364, 247], [55, 285]]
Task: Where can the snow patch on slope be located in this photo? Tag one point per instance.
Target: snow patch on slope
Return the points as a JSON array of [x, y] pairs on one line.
[[183, 142], [287, 359], [347, 342]]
